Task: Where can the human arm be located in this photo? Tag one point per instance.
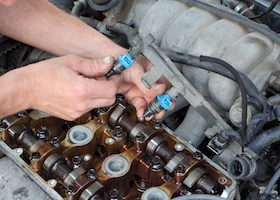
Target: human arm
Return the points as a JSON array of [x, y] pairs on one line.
[[65, 87], [40, 24]]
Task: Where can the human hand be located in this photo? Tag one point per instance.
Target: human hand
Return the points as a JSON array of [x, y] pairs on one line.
[[129, 83], [67, 87]]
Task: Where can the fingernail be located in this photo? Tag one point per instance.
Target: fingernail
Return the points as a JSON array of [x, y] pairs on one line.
[[107, 60]]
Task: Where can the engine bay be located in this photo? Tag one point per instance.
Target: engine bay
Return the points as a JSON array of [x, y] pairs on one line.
[[221, 59]]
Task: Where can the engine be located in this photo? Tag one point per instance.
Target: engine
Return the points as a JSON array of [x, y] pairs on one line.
[[222, 61]]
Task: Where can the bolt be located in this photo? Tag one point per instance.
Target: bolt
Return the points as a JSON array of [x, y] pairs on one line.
[[181, 169], [91, 174], [103, 110], [19, 151], [222, 180], [179, 147], [199, 191], [35, 156], [87, 157], [71, 189], [54, 141], [76, 160], [142, 184], [110, 141], [41, 132], [114, 194], [197, 155], [119, 97], [22, 114], [157, 124], [156, 162], [3, 125], [118, 131], [52, 182], [140, 137]]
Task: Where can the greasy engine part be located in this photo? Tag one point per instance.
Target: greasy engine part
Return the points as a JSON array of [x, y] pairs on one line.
[[108, 154]]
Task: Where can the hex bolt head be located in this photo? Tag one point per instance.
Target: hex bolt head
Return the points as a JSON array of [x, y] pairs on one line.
[[35, 156], [140, 137], [198, 155], [114, 194], [71, 189], [157, 124], [222, 180], [180, 169], [91, 174], [118, 131], [156, 162]]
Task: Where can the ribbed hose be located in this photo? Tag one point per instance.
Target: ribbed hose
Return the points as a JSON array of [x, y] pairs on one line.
[[265, 139], [199, 197]]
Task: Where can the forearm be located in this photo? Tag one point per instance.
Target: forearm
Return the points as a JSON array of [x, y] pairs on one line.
[[13, 93], [40, 24]]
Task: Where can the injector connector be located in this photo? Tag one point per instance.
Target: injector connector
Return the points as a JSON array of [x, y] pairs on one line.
[[162, 102], [124, 62]]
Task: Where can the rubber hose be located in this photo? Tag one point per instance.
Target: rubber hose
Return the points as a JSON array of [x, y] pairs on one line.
[[187, 59], [265, 139], [232, 16], [199, 197]]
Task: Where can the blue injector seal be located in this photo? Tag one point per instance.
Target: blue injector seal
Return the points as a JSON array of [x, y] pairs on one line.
[[124, 62], [162, 102]]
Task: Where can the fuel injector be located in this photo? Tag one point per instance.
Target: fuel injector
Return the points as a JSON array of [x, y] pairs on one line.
[[162, 102], [124, 61]]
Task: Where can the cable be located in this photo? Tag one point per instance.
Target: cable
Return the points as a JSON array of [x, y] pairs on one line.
[[270, 184], [194, 61], [242, 90], [232, 16], [268, 10], [199, 197]]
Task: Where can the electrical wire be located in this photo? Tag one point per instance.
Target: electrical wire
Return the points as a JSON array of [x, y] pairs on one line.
[[232, 16], [257, 98], [242, 90], [268, 10], [270, 184], [199, 197]]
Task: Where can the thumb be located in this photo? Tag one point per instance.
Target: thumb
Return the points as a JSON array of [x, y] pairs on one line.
[[94, 68]]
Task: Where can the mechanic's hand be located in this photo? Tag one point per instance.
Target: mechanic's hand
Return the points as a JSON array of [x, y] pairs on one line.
[[67, 87], [129, 83]]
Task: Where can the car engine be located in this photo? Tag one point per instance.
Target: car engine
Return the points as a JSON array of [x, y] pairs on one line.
[[221, 141]]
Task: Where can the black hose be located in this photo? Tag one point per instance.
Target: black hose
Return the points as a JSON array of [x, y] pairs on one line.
[[270, 184], [199, 197], [268, 10], [194, 61], [265, 139], [232, 16], [242, 90], [102, 5]]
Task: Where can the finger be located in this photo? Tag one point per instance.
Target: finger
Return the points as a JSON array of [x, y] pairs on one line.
[[140, 104], [93, 68], [134, 74], [99, 89], [97, 103]]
